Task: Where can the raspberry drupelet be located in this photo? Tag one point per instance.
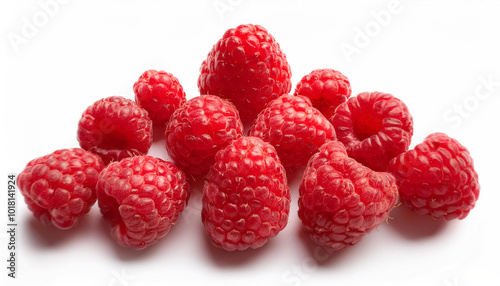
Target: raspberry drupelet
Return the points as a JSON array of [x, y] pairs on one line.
[[246, 200], [160, 94], [374, 127], [437, 178], [200, 128], [326, 88], [115, 128], [294, 127], [60, 187], [247, 67], [140, 198], [341, 200]]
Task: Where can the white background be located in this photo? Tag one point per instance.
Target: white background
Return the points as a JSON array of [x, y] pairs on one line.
[[436, 56]]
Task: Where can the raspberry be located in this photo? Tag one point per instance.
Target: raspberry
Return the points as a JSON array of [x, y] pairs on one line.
[[374, 127], [115, 128], [437, 178], [141, 197], [294, 128], [200, 128], [341, 200], [326, 88], [247, 67], [160, 94], [246, 199], [59, 187]]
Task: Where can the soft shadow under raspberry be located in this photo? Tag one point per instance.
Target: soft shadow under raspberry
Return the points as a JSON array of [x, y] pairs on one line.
[[131, 254], [158, 133], [50, 236], [294, 176], [413, 226], [322, 256], [237, 258]]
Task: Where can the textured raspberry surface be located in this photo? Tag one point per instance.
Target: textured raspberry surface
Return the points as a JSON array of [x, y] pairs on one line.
[[141, 197], [160, 94], [200, 128], [115, 128], [246, 199], [437, 178], [326, 88], [247, 67], [374, 127], [341, 200], [59, 187], [294, 128]]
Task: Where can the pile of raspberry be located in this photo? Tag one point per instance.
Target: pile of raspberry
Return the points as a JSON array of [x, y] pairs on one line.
[[241, 137]]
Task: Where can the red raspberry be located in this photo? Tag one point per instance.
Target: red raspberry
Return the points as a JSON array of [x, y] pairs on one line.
[[341, 200], [247, 67], [115, 128], [374, 127], [246, 199], [141, 197], [326, 88], [294, 128], [160, 94], [437, 178], [200, 128], [59, 187]]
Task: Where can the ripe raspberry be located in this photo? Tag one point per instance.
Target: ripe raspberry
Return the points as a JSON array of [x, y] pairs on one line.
[[246, 199], [160, 94], [59, 187], [437, 178], [374, 127], [326, 88], [141, 197], [341, 200], [294, 128], [115, 128], [200, 128], [247, 67]]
